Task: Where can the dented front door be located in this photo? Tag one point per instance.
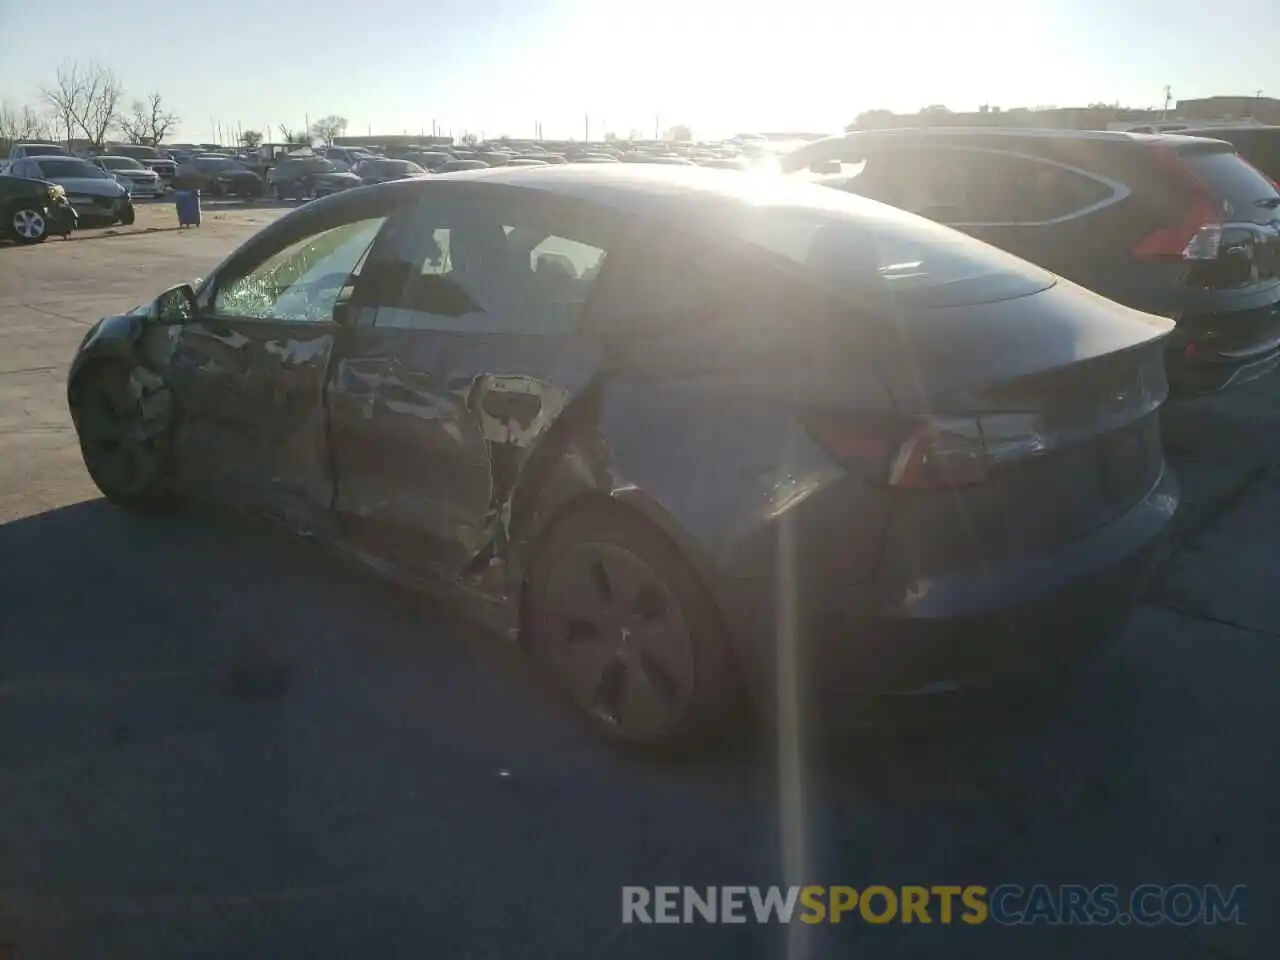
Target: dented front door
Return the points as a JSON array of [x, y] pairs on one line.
[[251, 393], [250, 371]]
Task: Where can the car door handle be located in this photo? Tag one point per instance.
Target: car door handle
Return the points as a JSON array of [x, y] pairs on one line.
[[508, 407]]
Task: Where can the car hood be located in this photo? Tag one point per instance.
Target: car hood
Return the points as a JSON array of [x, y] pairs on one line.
[[92, 186], [135, 174]]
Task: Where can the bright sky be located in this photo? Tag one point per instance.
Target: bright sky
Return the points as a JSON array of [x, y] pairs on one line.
[[501, 66]]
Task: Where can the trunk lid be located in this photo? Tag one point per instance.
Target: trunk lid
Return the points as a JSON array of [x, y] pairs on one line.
[[945, 350], [1062, 388]]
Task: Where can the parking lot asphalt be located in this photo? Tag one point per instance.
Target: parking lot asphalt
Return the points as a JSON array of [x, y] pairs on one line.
[[219, 742]]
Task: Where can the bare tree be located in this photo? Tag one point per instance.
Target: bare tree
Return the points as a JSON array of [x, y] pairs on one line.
[[85, 98], [251, 139], [148, 122], [101, 105], [326, 128], [294, 138], [679, 132], [66, 98], [24, 124]]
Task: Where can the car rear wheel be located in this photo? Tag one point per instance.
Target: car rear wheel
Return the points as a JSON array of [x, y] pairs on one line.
[[27, 225], [628, 631], [124, 417]]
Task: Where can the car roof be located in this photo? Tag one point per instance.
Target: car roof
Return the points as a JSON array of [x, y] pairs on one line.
[[642, 189], [1218, 133]]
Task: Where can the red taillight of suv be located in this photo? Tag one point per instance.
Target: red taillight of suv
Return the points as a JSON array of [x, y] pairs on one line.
[[1197, 232], [930, 453]]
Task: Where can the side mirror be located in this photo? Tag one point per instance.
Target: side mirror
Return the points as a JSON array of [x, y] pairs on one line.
[[177, 305]]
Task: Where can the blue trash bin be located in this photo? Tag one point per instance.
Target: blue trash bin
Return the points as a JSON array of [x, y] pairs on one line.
[[187, 203]]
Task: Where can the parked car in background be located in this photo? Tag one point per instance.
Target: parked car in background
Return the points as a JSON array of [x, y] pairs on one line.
[[21, 151], [1177, 226], [428, 160], [381, 170], [304, 178], [141, 181], [219, 177], [346, 157], [951, 454], [33, 210], [724, 163], [95, 194], [1259, 145], [453, 166], [150, 157]]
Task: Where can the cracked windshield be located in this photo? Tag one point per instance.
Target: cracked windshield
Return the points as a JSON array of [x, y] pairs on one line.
[[566, 479]]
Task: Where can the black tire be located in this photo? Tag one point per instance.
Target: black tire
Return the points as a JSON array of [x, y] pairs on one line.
[[127, 215], [129, 458], [655, 670], [26, 225]]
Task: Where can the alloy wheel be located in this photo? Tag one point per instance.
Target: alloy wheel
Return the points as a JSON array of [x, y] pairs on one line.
[[29, 224], [618, 641]]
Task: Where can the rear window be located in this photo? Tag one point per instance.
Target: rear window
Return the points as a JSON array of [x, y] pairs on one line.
[[1231, 180], [861, 248]]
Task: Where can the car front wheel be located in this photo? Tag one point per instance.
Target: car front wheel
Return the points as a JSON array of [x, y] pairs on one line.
[[629, 632], [127, 215], [124, 417], [27, 225]]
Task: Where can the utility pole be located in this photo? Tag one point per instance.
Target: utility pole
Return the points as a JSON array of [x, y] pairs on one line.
[[1168, 96], [586, 128]]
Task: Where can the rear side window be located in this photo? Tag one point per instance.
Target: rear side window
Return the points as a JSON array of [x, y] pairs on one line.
[[868, 249], [476, 268], [1232, 182]]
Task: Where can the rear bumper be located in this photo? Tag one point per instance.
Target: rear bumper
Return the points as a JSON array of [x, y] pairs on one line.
[[855, 643], [1209, 352]]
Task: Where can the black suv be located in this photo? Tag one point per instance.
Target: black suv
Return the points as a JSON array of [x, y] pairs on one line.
[[33, 210], [1257, 144], [1173, 225]]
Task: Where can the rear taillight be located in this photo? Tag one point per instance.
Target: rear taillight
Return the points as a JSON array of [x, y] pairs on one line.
[[928, 453], [1197, 233]]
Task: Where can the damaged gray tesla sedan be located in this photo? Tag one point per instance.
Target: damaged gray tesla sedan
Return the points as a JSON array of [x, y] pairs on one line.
[[688, 434]]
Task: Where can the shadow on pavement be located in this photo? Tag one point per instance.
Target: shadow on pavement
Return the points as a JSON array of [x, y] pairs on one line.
[[222, 735]]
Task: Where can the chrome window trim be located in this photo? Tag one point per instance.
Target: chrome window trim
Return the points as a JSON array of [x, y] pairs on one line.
[[1118, 190]]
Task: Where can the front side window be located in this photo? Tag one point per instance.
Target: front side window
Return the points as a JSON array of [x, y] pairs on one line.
[[304, 281], [485, 271]]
